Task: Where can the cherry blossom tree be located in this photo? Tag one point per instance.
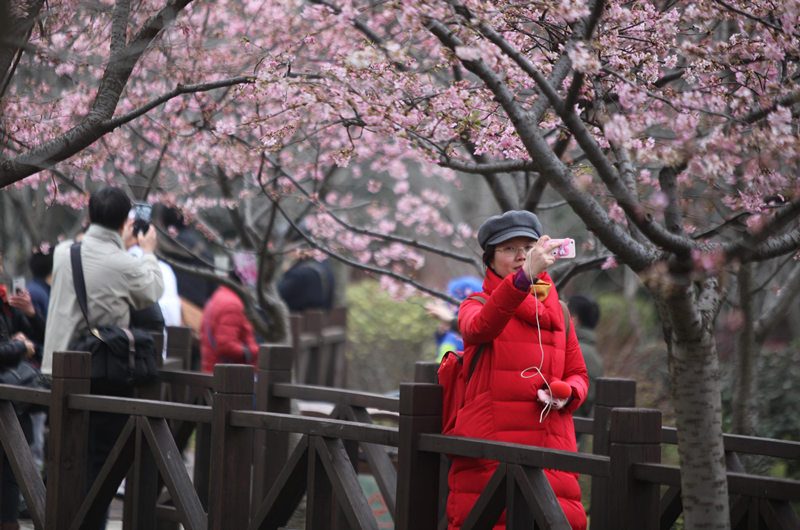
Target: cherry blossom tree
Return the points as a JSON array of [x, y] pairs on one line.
[[669, 129]]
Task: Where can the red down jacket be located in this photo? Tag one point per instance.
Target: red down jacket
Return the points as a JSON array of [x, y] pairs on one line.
[[226, 336], [501, 403]]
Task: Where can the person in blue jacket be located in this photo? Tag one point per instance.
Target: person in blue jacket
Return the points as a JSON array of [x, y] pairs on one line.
[[447, 336]]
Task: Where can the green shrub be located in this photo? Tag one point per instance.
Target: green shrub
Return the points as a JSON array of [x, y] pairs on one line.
[[385, 337]]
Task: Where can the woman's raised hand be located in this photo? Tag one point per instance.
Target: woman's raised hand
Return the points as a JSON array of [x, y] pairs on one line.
[[540, 257]]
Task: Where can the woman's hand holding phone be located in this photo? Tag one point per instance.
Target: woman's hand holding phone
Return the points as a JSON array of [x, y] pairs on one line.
[[539, 257]]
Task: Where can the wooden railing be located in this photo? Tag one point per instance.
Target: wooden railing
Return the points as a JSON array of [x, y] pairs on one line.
[[319, 339], [249, 473]]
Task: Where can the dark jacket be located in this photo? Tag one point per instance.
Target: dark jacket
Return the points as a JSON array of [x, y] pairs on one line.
[[308, 284], [40, 296], [190, 248], [594, 366], [12, 320]]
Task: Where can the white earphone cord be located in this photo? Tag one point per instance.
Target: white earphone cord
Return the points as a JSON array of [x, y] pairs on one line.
[[538, 369]]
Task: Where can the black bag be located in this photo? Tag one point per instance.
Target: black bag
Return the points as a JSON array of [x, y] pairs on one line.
[[150, 318], [25, 374], [120, 356]]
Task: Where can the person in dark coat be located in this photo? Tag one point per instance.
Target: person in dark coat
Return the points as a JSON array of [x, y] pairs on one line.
[[20, 326], [585, 314], [40, 264], [307, 284]]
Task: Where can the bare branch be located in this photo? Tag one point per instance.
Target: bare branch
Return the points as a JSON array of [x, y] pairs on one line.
[[496, 166], [763, 246]]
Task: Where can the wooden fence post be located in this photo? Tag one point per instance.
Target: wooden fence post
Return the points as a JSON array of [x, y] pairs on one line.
[[313, 320], [179, 347], [271, 448], [635, 436], [69, 433], [418, 472], [231, 449], [610, 393], [425, 372]]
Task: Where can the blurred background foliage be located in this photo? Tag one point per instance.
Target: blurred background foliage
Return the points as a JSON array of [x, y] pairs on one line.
[[385, 337]]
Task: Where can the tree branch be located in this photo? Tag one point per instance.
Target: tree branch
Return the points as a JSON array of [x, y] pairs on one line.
[[386, 237], [495, 166], [669, 186], [594, 153], [770, 316], [634, 254], [783, 101], [87, 132], [368, 268], [179, 89], [764, 245]]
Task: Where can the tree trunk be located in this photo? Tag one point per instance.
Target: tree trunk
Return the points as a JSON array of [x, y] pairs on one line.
[[688, 312], [744, 411]]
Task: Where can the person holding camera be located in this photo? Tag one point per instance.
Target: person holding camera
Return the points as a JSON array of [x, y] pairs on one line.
[[20, 327], [529, 374], [116, 283]]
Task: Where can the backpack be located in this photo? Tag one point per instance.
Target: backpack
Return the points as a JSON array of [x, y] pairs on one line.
[[454, 378]]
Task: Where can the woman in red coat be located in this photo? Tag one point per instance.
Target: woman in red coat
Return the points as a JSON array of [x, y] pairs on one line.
[[226, 336], [526, 350]]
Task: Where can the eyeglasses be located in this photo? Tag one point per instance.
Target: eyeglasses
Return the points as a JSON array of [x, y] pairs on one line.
[[514, 251]]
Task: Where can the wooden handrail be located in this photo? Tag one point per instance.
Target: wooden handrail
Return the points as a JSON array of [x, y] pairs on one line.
[[140, 407], [517, 454], [346, 430], [337, 396]]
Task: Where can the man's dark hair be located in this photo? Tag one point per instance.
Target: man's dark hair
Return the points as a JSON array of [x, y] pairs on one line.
[[109, 207], [171, 216], [586, 309], [40, 264]]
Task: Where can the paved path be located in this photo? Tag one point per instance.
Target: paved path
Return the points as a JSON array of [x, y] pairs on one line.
[[114, 518]]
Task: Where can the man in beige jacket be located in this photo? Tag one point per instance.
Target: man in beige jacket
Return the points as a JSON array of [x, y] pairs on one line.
[[116, 281]]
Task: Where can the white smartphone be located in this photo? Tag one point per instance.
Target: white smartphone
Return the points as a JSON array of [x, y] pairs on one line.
[[18, 284]]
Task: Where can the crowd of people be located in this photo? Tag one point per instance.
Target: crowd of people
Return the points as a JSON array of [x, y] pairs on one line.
[[127, 285], [517, 323]]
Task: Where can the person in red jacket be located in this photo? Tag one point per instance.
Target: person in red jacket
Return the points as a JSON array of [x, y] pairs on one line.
[[226, 336], [526, 350]]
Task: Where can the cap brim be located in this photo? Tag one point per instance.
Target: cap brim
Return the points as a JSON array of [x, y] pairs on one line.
[[512, 233]]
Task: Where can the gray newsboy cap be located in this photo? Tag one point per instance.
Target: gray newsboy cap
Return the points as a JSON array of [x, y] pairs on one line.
[[514, 223]]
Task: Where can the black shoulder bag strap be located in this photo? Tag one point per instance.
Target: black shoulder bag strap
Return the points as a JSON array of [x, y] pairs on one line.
[[77, 279]]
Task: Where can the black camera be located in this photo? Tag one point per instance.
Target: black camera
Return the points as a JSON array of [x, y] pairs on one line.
[[141, 217]]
